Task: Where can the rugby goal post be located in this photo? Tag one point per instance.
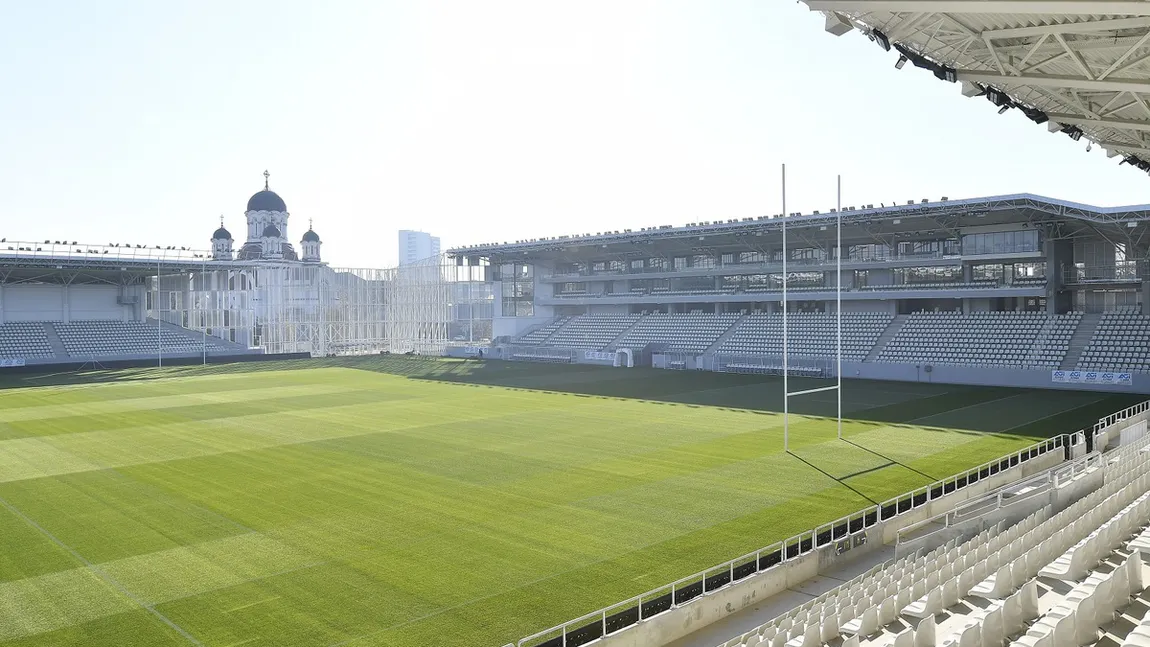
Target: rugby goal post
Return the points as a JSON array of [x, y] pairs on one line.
[[838, 385]]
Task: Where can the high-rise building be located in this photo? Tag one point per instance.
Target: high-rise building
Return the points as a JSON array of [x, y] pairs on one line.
[[416, 246]]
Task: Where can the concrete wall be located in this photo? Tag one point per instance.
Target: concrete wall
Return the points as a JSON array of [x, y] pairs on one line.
[[868, 306], [1022, 378], [712, 607], [45, 302]]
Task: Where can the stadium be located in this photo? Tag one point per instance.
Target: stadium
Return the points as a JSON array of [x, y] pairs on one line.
[[909, 424]]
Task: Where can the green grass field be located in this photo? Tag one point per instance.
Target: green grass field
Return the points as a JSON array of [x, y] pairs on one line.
[[400, 501]]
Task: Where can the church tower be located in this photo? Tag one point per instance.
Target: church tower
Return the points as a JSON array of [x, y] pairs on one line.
[[309, 246], [222, 243], [267, 217]]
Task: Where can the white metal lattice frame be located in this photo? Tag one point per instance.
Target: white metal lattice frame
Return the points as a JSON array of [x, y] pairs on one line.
[[1084, 63], [315, 309]]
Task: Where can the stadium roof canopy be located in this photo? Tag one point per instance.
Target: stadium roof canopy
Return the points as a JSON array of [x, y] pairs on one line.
[[1080, 66], [949, 214]]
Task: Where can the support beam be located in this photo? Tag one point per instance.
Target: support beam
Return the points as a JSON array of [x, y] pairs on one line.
[[1125, 148], [1129, 124], [1084, 27], [1056, 81], [1060, 7]]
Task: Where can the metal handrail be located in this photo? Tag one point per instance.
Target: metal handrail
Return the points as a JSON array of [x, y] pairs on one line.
[[68, 251]]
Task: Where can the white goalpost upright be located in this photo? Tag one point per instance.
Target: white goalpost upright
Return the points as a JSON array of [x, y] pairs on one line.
[[838, 385]]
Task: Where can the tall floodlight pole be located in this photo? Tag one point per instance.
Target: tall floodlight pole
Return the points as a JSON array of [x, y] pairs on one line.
[[203, 301], [839, 296], [786, 370], [159, 336]]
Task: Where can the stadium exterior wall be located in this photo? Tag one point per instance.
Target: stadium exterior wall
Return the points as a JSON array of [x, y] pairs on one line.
[[1021, 378]]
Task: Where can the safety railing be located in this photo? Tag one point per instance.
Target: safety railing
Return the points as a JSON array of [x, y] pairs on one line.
[[1008, 495], [620, 616], [74, 251], [1128, 412]]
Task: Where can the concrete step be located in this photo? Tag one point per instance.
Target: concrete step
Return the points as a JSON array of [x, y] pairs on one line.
[[54, 340], [1080, 340], [726, 335], [893, 329]]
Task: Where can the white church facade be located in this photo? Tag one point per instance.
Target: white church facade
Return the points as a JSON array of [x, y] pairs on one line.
[[267, 233]]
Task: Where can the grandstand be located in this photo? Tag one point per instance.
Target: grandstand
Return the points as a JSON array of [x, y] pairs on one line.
[[1010, 290]]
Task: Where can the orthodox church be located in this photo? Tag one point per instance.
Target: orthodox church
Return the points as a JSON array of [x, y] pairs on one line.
[[267, 237]]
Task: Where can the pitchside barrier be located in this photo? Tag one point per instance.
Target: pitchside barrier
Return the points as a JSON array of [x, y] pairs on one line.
[[1118, 423], [846, 533]]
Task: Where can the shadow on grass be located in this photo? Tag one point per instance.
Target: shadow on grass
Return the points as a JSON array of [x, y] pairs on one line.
[[864, 401]]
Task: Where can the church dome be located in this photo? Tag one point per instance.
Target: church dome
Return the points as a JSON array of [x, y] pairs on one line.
[[266, 201], [310, 236], [222, 234], [271, 231]]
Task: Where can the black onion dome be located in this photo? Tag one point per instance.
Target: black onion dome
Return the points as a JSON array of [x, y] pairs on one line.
[[222, 234], [310, 236], [271, 231], [266, 201]]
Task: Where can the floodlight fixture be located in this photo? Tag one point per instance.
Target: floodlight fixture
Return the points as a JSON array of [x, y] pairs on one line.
[[900, 62]]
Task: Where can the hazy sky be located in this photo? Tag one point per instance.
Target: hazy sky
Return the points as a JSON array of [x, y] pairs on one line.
[[481, 121]]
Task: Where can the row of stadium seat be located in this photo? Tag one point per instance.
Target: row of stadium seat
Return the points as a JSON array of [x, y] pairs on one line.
[[24, 339], [990, 339], [592, 332], [1008, 339], [1121, 342], [688, 333], [809, 334], [108, 338], [985, 591], [954, 285]]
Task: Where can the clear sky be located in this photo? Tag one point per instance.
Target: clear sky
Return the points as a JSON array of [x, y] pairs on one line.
[[143, 122]]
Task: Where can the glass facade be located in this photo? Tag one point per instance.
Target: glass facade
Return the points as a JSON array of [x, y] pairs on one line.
[[1029, 270], [1001, 242], [917, 275], [869, 252], [518, 289], [986, 273]]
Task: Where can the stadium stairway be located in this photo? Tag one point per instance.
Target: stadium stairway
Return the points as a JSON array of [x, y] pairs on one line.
[[726, 335], [1079, 341], [895, 326], [615, 342], [54, 340]]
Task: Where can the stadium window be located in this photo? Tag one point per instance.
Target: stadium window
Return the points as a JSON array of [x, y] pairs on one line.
[[598, 267], [807, 254], [986, 273], [680, 262], [798, 280], [918, 275], [637, 264], [1001, 242], [702, 261], [931, 248], [752, 257], [1029, 270], [861, 278], [657, 263], [728, 259], [868, 252]]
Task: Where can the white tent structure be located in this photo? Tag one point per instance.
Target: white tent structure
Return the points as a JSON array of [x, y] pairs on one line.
[[1081, 67]]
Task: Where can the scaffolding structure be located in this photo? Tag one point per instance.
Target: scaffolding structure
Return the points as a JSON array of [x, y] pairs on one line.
[[294, 307]]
